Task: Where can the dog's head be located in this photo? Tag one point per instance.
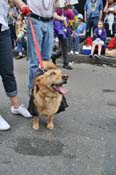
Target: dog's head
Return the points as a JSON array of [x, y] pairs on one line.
[[51, 81]]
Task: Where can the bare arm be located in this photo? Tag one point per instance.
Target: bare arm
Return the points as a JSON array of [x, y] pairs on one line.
[[57, 4], [106, 7], [83, 34], [85, 16], [19, 3], [60, 18], [100, 15]]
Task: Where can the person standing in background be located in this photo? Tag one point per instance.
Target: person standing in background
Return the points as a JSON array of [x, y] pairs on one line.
[[6, 65], [110, 12], [93, 11], [42, 19], [61, 31], [12, 17]]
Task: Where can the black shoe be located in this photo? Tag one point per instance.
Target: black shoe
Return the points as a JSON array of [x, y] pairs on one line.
[[91, 56], [19, 57], [53, 59], [67, 67], [56, 55], [97, 56]]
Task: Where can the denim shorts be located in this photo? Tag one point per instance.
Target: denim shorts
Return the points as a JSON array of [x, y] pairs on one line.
[[44, 35], [6, 64]]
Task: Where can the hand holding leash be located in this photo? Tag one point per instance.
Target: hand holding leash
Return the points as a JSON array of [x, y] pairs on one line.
[[26, 11]]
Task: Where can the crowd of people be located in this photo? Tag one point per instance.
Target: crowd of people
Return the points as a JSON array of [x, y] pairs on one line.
[[70, 27], [66, 26]]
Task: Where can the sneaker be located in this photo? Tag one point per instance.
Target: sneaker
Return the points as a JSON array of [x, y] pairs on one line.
[[20, 54], [91, 56], [21, 110], [71, 52], [97, 56], [71, 63], [19, 57], [3, 124], [76, 53], [67, 67]]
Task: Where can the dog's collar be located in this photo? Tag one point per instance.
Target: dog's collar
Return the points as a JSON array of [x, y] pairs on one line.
[[39, 72]]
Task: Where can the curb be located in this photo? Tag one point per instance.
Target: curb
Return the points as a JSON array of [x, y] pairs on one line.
[[86, 59]]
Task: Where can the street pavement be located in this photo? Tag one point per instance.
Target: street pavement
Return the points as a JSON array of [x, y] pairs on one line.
[[84, 139]]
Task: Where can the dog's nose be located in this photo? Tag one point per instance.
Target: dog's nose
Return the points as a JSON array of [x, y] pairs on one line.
[[65, 77]]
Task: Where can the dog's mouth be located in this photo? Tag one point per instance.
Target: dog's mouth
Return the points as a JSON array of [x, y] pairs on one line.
[[59, 88]]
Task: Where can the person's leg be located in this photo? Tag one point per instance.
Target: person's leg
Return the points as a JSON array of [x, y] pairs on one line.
[[7, 74], [14, 101], [64, 50], [89, 26], [71, 44], [106, 25], [81, 42], [93, 48], [77, 39], [68, 43], [47, 43], [6, 64], [12, 34], [24, 44], [95, 22], [19, 47], [64, 53], [31, 51], [99, 49]]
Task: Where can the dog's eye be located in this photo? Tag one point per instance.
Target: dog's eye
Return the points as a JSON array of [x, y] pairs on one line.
[[53, 73]]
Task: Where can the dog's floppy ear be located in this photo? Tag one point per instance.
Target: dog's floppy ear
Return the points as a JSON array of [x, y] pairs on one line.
[[37, 78], [36, 82]]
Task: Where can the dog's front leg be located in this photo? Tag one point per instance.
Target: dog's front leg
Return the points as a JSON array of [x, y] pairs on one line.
[[36, 122], [50, 124]]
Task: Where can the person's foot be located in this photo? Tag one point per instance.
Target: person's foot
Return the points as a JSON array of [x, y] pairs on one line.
[[4, 126], [71, 52], [97, 56], [53, 59], [67, 67], [76, 53], [91, 56], [21, 110], [19, 57]]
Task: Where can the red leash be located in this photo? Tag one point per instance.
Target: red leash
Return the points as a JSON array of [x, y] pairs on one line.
[[36, 44]]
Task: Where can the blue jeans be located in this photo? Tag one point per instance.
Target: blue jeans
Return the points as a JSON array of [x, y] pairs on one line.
[[6, 64], [44, 34], [75, 42], [21, 43], [92, 23]]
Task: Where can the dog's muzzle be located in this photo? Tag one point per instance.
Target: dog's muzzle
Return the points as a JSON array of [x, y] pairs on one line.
[[65, 78]]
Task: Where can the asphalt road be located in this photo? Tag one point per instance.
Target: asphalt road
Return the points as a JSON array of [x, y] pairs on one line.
[[84, 139]]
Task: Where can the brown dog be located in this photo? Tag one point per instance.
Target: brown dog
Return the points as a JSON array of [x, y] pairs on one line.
[[48, 94]]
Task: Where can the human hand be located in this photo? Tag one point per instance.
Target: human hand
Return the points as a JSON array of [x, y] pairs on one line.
[[74, 33], [26, 10], [65, 22], [10, 14]]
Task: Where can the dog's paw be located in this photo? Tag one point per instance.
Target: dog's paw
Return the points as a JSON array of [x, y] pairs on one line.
[[35, 123], [36, 127], [50, 126]]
